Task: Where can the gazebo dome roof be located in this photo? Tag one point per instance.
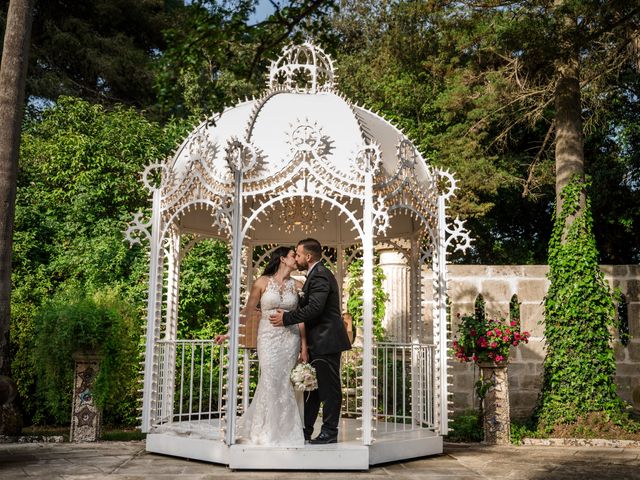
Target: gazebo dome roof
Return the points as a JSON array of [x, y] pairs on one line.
[[269, 124], [303, 142], [301, 95]]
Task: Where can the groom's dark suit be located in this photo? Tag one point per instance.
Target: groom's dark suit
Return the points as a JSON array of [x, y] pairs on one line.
[[319, 310]]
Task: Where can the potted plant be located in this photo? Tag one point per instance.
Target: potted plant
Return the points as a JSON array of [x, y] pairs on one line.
[[487, 342]]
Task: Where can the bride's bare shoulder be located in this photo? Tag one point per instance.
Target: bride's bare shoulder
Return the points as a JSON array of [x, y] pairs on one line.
[[261, 281]]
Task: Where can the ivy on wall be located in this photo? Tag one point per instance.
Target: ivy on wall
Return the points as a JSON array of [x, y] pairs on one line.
[[579, 367]]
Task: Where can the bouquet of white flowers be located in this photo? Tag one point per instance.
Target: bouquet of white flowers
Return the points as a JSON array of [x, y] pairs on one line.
[[303, 377]]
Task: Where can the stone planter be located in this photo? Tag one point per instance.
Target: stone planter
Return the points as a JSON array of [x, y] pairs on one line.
[[496, 417], [86, 417]]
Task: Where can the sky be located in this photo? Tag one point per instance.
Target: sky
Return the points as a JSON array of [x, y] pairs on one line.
[[263, 10]]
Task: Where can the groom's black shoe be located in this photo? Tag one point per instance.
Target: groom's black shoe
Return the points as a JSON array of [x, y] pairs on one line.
[[324, 438]]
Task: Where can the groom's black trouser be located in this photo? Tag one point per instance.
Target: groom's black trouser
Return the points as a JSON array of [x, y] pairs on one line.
[[329, 393]]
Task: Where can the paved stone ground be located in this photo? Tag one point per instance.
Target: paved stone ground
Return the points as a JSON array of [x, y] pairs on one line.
[[128, 460]]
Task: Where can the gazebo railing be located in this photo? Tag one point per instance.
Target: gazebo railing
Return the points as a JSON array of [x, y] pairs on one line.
[[191, 375], [190, 379], [404, 384], [191, 390]]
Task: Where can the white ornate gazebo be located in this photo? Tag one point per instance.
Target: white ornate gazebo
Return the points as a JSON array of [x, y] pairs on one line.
[[299, 161]]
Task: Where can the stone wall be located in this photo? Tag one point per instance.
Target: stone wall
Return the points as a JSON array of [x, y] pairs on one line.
[[498, 284]]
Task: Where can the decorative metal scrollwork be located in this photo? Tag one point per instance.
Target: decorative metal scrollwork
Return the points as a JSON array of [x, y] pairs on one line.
[[240, 156], [302, 68], [154, 176], [380, 217], [457, 235], [138, 229], [447, 184]]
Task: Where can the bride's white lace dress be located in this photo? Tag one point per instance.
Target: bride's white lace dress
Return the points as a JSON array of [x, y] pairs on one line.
[[273, 417]]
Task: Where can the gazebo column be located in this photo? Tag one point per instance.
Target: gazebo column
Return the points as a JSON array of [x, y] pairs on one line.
[[248, 335], [440, 337], [167, 382], [415, 302], [154, 310], [236, 158], [368, 390]]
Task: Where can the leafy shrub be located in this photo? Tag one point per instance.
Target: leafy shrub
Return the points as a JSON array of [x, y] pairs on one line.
[[466, 426], [74, 322], [524, 429], [354, 292]]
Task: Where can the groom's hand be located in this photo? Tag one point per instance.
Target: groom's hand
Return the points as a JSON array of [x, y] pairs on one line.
[[276, 318]]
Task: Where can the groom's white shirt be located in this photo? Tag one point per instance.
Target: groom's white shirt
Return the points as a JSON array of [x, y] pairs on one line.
[[312, 265]]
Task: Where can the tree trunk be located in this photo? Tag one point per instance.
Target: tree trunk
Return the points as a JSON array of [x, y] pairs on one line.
[[13, 70], [569, 149], [569, 139]]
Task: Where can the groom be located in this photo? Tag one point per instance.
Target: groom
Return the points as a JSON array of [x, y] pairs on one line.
[[319, 310]]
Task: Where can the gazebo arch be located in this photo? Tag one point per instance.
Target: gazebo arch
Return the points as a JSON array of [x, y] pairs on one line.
[[294, 163]]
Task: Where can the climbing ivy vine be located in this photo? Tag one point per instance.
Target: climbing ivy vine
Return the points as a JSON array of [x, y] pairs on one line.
[[579, 366]]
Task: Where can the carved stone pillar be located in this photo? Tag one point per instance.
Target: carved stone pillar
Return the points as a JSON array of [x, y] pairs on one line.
[[86, 417], [396, 285], [496, 417]]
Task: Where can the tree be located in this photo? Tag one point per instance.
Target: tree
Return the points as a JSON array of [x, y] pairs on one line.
[[77, 187], [101, 50], [551, 67], [559, 62], [400, 58], [13, 71], [216, 56]]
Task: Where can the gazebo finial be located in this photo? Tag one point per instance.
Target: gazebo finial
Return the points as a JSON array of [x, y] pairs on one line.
[[304, 68]]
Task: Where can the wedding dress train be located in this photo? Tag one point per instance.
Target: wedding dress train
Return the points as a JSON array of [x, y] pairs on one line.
[[273, 417]]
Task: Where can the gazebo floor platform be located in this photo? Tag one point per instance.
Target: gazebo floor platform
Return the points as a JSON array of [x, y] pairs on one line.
[[201, 440]]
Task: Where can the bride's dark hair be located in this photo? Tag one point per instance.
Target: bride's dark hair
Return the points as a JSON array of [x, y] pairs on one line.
[[274, 261]]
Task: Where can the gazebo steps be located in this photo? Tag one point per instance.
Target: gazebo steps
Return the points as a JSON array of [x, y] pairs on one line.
[[199, 443]]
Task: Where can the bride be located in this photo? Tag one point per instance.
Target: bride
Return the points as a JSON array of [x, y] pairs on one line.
[[269, 419]]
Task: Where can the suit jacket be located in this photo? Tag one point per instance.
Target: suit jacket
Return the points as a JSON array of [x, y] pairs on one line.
[[319, 310]]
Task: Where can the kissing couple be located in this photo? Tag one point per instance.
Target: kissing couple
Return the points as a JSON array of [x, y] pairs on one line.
[[298, 322]]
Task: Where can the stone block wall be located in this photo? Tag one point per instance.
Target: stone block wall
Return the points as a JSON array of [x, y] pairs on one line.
[[498, 284]]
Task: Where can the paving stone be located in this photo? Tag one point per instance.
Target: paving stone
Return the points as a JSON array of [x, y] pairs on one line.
[[129, 461]]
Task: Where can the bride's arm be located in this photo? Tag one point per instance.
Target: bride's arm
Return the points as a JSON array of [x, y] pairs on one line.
[[304, 352], [252, 303]]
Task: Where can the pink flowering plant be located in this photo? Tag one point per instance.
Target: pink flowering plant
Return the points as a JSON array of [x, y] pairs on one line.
[[482, 339]]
